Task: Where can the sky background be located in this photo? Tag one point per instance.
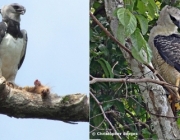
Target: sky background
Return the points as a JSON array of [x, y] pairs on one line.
[[58, 55]]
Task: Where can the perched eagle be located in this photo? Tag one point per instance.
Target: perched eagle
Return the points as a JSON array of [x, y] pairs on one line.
[[13, 41], [164, 41]]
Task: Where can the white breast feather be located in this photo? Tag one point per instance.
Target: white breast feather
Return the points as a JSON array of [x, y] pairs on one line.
[[10, 52]]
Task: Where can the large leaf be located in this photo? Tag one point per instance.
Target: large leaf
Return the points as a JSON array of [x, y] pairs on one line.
[[140, 49], [143, 23], [107, 105], [128, 20], [142, 8], [106, 67], [129, 4], [121, 34], [120, 106], [151, 8], [154, 5]]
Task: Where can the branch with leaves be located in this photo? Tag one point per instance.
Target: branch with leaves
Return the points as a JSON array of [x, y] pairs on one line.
[[128, 22]]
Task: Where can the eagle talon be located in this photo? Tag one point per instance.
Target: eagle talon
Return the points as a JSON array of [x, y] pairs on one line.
[[10, 84]]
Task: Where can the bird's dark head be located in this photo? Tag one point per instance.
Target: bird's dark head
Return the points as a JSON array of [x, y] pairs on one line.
[[169, 16], [12, 11], [175, 21]]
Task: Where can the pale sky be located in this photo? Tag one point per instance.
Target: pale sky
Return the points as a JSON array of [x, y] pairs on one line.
[[58, 55]]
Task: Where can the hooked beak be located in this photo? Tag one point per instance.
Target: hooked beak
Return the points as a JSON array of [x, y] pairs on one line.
[[21, 10], [175, 21]]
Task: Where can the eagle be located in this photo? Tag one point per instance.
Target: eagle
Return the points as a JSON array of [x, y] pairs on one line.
[[13, 41], [164, 41]]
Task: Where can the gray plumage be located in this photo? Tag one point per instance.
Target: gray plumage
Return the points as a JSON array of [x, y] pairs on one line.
[[164, 41], [13, 41]]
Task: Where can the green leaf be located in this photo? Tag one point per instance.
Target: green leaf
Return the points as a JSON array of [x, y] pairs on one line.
[[121, 15], [155, 7], [142, 8], [98, 119], [111, 75], [121, 34], [178, 122], [120, 106], [150, 10], [143, 23], [140, 50], [103, 49], [129, 4], [107, 105], [128, 20], [138, 55], [106, 67], [103, 65], [146, 133]]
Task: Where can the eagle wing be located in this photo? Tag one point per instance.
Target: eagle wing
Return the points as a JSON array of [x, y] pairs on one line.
[[169, 49], [23, 53], [3, 29]]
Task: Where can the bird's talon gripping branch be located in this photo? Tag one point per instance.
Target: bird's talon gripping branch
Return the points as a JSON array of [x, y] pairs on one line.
[[10, 84]]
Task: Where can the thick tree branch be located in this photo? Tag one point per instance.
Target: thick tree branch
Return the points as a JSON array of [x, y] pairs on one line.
[[20, 104]]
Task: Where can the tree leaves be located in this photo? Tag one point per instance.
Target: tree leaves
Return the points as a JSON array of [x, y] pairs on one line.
[[128, 29], [122, 102], [140, 50], [106, 67], [143, 23], [127, 20]]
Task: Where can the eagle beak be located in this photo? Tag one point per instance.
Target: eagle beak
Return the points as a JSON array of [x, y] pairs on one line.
[[22, 10], [175, 21]]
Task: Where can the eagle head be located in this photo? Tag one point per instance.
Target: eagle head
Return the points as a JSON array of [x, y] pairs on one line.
[[12, 11], [169, 17]]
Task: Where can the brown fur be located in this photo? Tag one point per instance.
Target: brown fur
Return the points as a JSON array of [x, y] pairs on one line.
[[37, 88]]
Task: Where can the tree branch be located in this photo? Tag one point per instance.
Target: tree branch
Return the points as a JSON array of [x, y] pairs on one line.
[[21, 104], [104, 115], [130, 80]]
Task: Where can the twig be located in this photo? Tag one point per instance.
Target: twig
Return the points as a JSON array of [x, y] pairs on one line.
[[101, 108]]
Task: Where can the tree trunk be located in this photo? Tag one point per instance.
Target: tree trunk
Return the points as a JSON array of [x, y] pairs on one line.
[[154, 95], [21, 104]]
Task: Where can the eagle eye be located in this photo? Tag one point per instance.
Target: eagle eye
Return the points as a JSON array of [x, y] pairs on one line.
[[173, 18], [15, 7]]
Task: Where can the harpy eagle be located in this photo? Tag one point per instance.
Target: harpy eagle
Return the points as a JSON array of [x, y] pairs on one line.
[[13, 41], [164, 41]]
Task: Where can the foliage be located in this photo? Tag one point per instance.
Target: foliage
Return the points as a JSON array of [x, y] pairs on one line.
[[121, 102]]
